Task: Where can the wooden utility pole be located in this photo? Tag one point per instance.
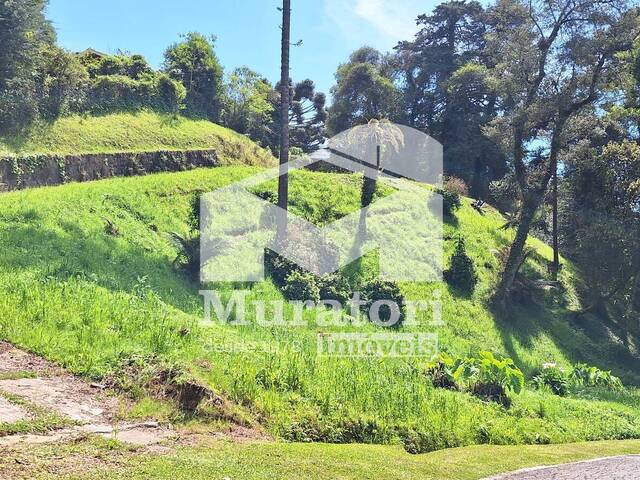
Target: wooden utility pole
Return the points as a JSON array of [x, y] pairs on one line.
[[283, 180], [555, 267]]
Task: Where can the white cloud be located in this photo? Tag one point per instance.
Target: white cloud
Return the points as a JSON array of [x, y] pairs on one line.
[[379, 23], [393, 19]]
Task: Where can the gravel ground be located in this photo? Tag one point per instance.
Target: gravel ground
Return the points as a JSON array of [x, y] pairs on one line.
[[625, 467]]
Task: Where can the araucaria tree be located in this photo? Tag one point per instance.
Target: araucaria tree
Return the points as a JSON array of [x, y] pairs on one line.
[[552, 59]]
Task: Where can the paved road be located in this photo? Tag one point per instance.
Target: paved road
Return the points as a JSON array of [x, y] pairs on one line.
[[614, 468]]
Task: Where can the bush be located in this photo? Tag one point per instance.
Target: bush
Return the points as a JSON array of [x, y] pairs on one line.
[[456, 185], [335, 286], [169, 95], [504, 193], [461, 273], [188, 246], [117, 93], [494, 376], [489, 377], [279, 267], [589, 376], [380, 290], [442, 371], [554, 378], [450, 201], [300, 285]]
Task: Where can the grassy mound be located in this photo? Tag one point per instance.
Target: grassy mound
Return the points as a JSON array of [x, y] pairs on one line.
[[87, 279], [129, 132]]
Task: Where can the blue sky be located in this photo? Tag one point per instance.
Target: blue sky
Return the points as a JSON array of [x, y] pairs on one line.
[[247, 30]]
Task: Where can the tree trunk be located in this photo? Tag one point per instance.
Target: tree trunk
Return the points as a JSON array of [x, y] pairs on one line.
[[283, 180], [516, 252]]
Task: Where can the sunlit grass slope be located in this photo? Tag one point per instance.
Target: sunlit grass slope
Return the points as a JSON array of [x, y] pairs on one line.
[[91, 297], [134, 132]]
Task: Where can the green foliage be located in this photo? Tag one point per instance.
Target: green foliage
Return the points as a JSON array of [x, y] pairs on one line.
[[119, 93], [590, 376], [488, 376], [444, 371], [25, 37], [89, 300], [364, 91], [247, 106], [335, 286], [134, 66], [379, 292], [450, 201], [553, 377], [461, 273], [582, 375], [301, 286], [193, 63]]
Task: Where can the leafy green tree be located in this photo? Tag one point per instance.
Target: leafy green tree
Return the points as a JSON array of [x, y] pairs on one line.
[[364, 91], [194, 63], [600, 212], [551, 61], [447, 93], [247, 105], [61, 83], [25, 36]]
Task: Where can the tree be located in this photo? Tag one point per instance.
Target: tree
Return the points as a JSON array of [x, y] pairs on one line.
[[552, 60], [446, 91], [283, 179], [25, 36], [248, 104], [364, 91], [193, 62], [306, 117]]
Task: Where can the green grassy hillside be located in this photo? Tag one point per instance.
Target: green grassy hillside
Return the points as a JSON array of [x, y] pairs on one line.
[[133, 132], [92, 297]]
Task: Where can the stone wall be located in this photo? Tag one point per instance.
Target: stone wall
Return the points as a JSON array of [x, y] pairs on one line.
[[40, 170]]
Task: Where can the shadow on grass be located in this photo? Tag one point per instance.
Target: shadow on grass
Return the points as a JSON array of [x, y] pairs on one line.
[[588, 341], [98, 257]]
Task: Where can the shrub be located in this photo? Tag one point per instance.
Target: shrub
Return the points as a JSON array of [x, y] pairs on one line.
[[450, 201], [504, 192], [279, 267], [300, 285], [335, 286], [589, 376], [456, 185], [494, 376], [169, 95], [461, 272], [489, 377], [188, 246], [380, 290], [554, 378], [442, 371]]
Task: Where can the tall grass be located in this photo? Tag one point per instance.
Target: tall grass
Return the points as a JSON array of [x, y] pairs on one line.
[[90, 298], [134, 132]]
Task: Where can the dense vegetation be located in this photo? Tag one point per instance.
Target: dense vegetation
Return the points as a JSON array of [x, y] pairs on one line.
[[131, 132], [98, 299], [545, 145]]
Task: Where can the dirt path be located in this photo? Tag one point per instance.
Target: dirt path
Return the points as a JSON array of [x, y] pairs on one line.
[[37, 396], [625, 467]]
